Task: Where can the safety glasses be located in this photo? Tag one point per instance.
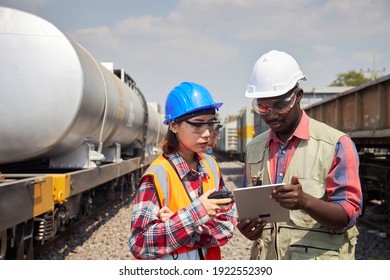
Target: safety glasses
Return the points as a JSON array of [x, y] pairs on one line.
[[278, 106], [200, 127]]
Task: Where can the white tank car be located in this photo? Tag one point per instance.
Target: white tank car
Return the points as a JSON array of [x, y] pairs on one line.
[[59, 103]]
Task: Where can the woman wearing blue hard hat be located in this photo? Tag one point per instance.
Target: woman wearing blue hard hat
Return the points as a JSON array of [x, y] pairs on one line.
[[173, 216]]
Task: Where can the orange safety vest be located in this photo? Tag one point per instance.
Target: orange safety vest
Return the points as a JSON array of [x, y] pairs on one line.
[[167, 184]]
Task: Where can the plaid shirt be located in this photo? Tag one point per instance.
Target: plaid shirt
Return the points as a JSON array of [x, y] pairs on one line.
[[190, 226], [342, 183]]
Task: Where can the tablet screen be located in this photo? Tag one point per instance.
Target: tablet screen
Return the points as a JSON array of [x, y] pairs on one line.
[[254, 202]]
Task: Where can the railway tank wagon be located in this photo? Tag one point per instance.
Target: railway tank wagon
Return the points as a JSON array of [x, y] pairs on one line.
[[363, 113], [69, 127]]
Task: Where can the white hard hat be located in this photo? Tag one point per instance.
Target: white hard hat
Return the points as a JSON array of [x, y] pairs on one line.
[[274, 74]]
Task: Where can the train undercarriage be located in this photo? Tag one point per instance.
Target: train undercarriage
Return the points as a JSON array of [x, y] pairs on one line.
[[29, 223]]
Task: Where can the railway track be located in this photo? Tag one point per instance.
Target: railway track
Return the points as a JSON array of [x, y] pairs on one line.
[[384, 229], [376, 217]]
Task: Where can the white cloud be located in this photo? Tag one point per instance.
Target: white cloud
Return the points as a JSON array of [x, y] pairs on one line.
[[36, 2], [216, 42], [323, 49]]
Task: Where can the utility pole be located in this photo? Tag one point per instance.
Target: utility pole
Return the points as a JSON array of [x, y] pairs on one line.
[[373, 71]]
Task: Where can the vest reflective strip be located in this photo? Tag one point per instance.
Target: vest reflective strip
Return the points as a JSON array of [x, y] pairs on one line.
[[212, 169], [160, 175]]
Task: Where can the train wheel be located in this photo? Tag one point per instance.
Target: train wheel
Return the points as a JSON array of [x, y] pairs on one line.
[[87, 203], [3, 244], [20, 242], [28, 240]]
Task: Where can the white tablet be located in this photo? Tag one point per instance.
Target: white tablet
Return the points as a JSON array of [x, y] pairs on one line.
[[253, 202]]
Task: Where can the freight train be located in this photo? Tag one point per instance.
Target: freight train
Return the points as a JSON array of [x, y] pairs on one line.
[[234, 136], [73, 132], [363, 113]]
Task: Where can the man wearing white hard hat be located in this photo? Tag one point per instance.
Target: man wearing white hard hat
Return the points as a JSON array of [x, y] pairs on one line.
[[317, 163]]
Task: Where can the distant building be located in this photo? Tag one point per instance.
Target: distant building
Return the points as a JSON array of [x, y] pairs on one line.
[[314, 95]]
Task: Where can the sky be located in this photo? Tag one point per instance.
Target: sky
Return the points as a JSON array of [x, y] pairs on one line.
[[215, 43]]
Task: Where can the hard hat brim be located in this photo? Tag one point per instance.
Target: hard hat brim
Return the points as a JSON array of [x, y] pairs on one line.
[[206, 110], [252, 93]]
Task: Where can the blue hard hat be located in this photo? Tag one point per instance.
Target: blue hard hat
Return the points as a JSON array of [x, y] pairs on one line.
[[188, 100]]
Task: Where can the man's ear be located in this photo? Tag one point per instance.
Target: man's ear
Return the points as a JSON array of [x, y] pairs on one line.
[[299, 94]]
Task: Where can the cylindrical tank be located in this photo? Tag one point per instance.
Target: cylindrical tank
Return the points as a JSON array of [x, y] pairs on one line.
[[156, 131], [55, 95]]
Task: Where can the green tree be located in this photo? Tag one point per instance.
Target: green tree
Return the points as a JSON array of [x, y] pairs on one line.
[[351, 78]]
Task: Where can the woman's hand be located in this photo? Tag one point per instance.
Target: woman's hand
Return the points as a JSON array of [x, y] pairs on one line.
[[165, 213], [213, 206]]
